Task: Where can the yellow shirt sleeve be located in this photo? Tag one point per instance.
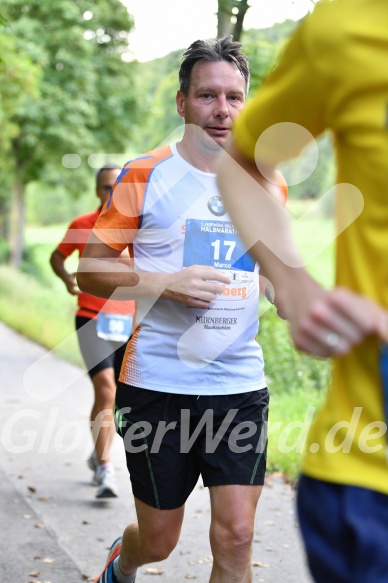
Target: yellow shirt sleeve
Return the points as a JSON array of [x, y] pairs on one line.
[[294, 93]]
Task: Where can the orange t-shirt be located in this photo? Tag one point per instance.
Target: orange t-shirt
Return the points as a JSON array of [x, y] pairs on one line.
[[75, 239]]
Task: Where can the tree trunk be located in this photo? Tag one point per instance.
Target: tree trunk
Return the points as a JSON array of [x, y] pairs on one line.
[[4, 217], [230, 18], [17, 223], [238, 27], [224, 15]]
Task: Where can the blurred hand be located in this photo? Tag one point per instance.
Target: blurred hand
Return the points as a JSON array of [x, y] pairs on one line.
[[330, 323]]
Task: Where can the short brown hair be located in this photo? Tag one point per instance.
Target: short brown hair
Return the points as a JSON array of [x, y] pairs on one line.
[[212, 50]]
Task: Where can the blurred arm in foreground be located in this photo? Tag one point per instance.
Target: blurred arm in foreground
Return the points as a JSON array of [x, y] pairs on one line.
[[322, 322]]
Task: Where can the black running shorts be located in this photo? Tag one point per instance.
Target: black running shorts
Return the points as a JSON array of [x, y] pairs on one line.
[[98, 354], [171, 440]]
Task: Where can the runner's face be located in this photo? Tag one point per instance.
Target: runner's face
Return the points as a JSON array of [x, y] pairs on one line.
[[106, 182], [216, 95]]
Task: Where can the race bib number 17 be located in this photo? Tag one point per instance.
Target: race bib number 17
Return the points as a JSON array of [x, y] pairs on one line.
[[217, 244]]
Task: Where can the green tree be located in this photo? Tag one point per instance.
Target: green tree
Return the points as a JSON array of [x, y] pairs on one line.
[[261, 54], [159, 82], [164, 118], [19, 84], [3, 20], [83, 100]]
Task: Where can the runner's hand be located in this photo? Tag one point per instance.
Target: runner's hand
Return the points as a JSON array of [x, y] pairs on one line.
[[334, 321], [71, 285], [196, 286]]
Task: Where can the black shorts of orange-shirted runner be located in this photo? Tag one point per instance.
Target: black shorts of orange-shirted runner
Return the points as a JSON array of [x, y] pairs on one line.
[[98, 354]]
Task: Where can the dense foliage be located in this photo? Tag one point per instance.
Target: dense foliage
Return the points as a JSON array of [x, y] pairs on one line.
[[64, 90]]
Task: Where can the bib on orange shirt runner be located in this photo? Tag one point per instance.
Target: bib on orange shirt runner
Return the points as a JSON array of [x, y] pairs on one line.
[[114, 327]]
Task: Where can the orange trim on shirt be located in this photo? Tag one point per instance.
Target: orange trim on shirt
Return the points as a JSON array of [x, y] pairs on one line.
[[120, 217], [282, 184]]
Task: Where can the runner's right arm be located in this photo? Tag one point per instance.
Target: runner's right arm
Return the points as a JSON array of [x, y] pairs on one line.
[[101, 274]]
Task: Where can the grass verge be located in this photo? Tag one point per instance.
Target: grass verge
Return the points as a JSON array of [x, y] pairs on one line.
[[42, 313]]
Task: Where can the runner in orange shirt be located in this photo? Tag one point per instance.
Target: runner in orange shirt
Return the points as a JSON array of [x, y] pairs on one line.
[[103, 328]]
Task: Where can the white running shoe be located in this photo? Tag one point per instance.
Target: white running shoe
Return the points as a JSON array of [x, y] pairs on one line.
[[105, 479]]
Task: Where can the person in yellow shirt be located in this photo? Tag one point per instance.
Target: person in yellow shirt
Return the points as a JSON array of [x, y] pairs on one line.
[[332, 75]]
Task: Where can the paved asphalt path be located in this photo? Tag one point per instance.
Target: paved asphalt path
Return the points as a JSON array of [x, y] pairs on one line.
[[53, 530]]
